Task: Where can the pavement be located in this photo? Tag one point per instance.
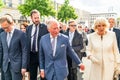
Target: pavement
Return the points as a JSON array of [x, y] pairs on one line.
[[87, 64], [82, 75]]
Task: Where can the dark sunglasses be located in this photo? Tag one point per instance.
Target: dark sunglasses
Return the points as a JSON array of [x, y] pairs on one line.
[[73, 25], [79, 26]]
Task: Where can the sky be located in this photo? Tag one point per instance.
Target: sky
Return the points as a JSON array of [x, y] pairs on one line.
[[96, 6]]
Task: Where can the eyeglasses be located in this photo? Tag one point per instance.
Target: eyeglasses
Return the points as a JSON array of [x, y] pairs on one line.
[[79, 26], [73, 25]]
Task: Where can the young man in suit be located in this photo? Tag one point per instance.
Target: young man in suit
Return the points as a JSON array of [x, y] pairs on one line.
[[117, 32], [54, 48], [2, 73], [76, 42], [114, 29], [13, 50], [34, 33]]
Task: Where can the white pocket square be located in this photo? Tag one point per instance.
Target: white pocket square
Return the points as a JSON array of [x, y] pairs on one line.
[[62, 45]]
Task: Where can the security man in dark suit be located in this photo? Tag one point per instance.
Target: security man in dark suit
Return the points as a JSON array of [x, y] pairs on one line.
[[34, 32], [116, 30], [76, 41]]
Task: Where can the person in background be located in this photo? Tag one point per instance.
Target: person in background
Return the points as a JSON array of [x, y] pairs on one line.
[[54, 48], [114, 29], [23, 26], [85, 39], [63, 28], [76, 42], [34, 33], [103, 51], [13, 50], [117, 32]]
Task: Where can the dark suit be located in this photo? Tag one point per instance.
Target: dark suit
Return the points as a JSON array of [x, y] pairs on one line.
[[55, 67], [2, 73], [15, 56], [117, 32], [33, 56], [77, 45]]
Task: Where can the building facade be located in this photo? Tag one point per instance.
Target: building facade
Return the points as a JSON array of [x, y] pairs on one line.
[[11, 8]]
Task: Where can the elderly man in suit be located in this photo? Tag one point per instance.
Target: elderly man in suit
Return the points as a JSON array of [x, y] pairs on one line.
[[13, 50], [54, 48], [34, 33]]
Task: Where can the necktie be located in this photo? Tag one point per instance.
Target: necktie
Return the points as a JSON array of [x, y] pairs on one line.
[[53, 45], [109, 29], [9, 38], [34, 40]]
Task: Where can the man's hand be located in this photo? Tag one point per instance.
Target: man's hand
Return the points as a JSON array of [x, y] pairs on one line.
[[23, 71], [82, 67], [42, 74]]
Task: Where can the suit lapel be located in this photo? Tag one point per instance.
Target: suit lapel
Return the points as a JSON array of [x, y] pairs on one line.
[[75, 35], [49, 45], [58, 44], [5, 39], [30, 31]]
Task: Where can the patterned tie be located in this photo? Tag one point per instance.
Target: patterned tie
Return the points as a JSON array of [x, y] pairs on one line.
[[34, 40], [53, 45], [9, 36]]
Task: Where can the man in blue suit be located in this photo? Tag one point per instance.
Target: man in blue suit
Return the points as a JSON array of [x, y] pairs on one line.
[[54, 48], [13, 50]]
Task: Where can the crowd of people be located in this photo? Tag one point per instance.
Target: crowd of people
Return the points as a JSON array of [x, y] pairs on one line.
[[55, 50]]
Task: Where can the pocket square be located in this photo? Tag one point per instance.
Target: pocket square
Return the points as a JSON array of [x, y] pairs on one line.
[[62, 45]]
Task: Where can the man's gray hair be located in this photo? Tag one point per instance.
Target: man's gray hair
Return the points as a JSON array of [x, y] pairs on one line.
[[50, 21]]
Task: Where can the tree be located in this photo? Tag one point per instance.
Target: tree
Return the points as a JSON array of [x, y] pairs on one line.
[[66, 12], [1, 4], [44, 6]]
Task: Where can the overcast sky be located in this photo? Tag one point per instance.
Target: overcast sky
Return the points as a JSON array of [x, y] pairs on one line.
[[96, 6]]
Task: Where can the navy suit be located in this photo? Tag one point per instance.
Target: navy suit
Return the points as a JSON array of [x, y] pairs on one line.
[[56, 65], [15, 56], [2, 73], [117, 32], [33, 56]]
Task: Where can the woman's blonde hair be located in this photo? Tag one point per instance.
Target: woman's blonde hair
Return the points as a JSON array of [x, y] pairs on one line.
[[99, 21]]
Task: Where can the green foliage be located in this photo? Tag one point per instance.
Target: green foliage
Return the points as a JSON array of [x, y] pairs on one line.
[[66, 12], [1, 4], [44, 6]]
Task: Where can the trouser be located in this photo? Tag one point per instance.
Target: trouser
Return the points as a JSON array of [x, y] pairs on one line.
[[72, 74], [11, 74], [33, 66], [2, 74]]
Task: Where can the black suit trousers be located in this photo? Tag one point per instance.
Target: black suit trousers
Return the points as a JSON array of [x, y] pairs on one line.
[[33, 66]]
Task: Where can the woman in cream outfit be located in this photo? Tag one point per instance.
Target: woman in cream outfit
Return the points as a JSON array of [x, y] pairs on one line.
[[103, 52]]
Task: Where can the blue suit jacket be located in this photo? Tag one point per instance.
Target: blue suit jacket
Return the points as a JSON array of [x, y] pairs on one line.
[[16, 53], [56, 64]]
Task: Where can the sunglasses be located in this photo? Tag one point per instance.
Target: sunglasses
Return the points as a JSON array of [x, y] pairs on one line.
[[73, 25], [79, 26]]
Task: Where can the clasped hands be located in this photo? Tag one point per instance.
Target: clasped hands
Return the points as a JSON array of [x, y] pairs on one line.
[[117, 71], [93, 59]]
